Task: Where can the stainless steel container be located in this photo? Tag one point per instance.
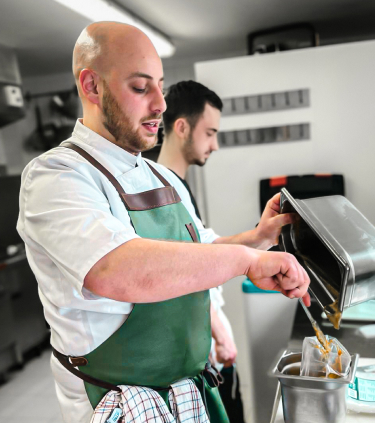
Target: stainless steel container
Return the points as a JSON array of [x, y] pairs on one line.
[[311, 399], [335, 244]]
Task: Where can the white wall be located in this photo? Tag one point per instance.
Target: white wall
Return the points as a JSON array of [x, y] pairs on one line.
[[182, 69], [342, 118]]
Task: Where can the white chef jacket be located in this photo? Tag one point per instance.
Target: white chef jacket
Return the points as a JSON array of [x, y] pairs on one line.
[[217, 301], [70, 217]]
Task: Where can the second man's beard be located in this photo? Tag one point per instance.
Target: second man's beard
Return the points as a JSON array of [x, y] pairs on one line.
[[119, 125], [189, 152]]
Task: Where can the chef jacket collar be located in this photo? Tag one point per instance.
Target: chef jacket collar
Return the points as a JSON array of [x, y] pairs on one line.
[[121, 157]]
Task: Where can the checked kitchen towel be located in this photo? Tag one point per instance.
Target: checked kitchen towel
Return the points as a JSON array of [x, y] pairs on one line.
[[136, 404]]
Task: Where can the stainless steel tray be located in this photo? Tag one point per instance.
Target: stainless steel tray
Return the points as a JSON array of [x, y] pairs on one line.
[[335, 244]]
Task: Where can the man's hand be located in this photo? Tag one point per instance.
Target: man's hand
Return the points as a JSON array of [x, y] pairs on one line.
[[281, 272], [271, 222], [226, 353], [225, 348], [266, 234]]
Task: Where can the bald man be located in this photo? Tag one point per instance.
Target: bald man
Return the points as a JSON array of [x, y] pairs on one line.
[[123, 263]]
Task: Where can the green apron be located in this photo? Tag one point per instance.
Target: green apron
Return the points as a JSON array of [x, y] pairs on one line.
[[159, 343]]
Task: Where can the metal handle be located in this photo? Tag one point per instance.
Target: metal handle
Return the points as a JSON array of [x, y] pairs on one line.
[[308, 314], [276, 402], [318, 332]]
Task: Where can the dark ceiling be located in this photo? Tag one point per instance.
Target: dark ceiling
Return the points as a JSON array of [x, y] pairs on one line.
[[43, 32]]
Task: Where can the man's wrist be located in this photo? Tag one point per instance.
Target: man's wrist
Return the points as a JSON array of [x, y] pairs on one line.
[[261, 242]]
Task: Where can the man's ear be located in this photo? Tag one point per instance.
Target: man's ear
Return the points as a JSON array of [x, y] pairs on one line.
[[88, 80], [181, 127]]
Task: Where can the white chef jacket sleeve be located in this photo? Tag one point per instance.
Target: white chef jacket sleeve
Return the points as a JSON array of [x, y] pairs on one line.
[[66, 217]]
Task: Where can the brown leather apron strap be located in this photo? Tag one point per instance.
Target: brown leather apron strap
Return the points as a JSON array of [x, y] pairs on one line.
[[142, 201], [157, 174], [67, 361], [192, 233], [95, 163], [70, 362]]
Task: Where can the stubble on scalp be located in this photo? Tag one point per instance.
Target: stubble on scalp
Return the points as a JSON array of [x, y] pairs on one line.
[[88, 49], [96, 47]]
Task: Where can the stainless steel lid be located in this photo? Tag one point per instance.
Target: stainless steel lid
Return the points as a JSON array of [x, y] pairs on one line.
[[335, 244]]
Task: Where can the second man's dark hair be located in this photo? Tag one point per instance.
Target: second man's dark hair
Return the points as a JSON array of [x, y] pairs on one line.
[[188, 99]]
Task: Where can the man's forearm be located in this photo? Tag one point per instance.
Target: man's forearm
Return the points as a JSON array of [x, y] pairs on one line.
[[144, 270], [249, 238], [217, 328], [226, 351], [267, 232]]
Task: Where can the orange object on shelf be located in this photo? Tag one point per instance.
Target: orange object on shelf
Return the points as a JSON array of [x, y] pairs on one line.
[[278, 181]]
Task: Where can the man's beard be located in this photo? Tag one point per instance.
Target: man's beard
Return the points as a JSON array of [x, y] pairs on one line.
[[119, 125], [189, 153]]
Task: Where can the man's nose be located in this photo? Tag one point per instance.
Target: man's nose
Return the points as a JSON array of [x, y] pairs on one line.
[[215, 144], [158, 105]]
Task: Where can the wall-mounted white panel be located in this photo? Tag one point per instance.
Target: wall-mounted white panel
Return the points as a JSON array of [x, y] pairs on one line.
[[341, 113]]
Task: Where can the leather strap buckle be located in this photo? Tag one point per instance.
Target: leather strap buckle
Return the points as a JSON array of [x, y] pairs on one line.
[[78, 361]]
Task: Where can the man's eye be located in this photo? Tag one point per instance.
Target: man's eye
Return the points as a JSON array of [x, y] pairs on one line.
[[139, 90]]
